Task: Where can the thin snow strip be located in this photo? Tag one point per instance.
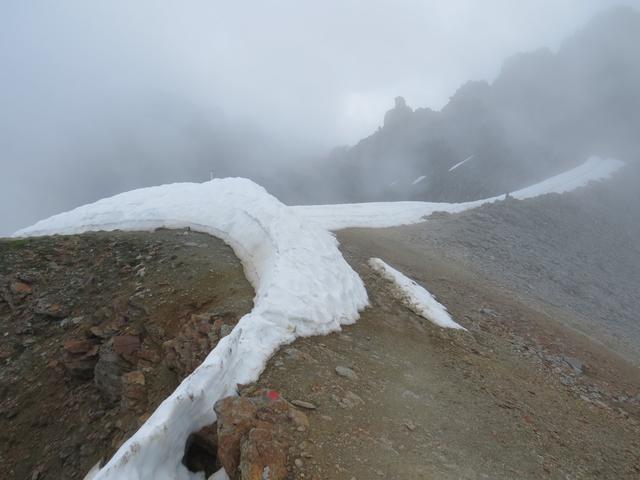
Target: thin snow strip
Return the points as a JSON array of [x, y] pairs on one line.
[[459, 164], [390, 214], [303, 287], [418, 180], [592, 170], [415, 297]]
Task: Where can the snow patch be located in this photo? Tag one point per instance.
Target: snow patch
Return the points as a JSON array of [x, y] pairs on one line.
[[418, 180], [220, 475], [592, 170], [389, 214], [414, 296], [459, 164]]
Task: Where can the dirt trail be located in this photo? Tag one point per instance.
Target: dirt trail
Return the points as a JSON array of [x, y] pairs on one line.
[[517, 396]]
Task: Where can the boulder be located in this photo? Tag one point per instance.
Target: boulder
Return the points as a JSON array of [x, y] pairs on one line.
[[262, 456], [254, 434], [80, 357], [236, 416]]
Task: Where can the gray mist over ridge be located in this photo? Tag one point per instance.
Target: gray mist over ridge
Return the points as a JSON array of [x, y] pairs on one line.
[[102, 98], [545, 113]]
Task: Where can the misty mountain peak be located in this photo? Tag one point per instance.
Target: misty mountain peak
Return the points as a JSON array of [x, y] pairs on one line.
[[398, 114]]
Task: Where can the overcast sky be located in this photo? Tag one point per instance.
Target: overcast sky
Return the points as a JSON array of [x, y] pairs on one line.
[[311, 74]]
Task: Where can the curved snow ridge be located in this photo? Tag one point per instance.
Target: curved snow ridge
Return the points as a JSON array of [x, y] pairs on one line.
[[303, 287], [390, 214]]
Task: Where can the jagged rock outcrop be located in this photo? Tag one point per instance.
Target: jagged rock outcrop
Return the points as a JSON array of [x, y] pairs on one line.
[[398, 115]]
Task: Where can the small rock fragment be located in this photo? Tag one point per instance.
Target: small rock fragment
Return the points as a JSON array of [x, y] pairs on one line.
[[574, 363], [78, 346], [303, 404], [299, 419], [225, 330], [346, 372], [410, 426], [21, 288]]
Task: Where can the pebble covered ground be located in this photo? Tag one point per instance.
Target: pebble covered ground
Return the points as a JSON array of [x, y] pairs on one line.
[[95, 331], [516, 396]]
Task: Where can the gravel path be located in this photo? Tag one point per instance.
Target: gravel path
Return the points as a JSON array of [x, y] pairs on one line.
[[497, 402]]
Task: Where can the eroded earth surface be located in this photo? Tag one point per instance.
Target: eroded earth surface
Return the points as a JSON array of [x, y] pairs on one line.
[[95, 331]]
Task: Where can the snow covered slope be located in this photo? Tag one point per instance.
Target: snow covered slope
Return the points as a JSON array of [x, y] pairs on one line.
[[389, 214], [303, 285]]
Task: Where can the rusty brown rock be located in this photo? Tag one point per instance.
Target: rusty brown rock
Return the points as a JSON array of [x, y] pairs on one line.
[[273, 411], [126, 346], [262, 456], [255, 432], [190, 347], [217, 325], [134, 378], [236, 416], [78, 345], [21, 288], [133, 389], [149, 356]]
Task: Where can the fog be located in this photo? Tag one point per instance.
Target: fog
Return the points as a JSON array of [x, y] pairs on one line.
[[104, 96]]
